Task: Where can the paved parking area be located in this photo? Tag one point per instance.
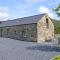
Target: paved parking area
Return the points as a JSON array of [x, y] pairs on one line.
[[11, 49]]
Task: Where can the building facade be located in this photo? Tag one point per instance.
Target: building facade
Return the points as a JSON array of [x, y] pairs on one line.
[[37, 28]]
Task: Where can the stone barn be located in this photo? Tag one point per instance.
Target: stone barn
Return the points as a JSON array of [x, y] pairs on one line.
[[37, 28]]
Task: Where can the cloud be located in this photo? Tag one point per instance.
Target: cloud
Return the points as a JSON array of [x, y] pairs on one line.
[[43, 9], [34, 1], [3, 8], [4, 13]]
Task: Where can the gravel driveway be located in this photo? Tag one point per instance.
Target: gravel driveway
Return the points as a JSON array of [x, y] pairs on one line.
[[11, 49]]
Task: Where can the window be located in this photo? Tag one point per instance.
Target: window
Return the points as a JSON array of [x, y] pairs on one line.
[[32, 33], [24, 33], [15, 32], [1, 31], [47, 23], [7, 31]]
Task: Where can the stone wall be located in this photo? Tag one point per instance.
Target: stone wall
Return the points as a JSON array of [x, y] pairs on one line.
[[45, 32], [26, 32]]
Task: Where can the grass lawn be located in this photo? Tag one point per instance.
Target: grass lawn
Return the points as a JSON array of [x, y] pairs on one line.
[[57, 58]]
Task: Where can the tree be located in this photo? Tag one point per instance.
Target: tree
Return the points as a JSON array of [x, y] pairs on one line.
[[57, 10]]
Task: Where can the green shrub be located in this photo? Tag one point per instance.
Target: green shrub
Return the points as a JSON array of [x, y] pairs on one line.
[[57, 58]]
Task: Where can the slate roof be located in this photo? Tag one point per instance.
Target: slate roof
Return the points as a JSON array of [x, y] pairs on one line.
[[25, 20]]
